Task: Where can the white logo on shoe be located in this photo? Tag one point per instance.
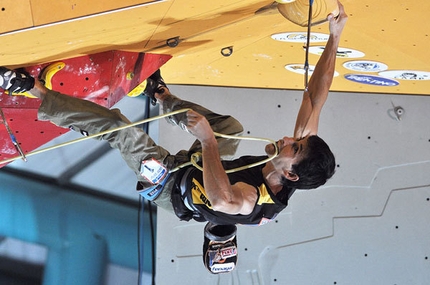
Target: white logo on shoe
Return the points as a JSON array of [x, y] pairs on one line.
[[7, 74]]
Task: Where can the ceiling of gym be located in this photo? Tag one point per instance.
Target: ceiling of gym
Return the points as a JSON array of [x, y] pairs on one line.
[[379, 36]]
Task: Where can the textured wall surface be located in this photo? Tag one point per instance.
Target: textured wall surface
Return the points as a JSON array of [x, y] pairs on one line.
[[368, 225]]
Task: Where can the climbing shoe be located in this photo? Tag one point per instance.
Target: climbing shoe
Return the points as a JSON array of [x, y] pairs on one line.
[[15, 81], [153, 85]]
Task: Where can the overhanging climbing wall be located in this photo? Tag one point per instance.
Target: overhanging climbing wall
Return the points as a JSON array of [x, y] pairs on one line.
[[103, 78]]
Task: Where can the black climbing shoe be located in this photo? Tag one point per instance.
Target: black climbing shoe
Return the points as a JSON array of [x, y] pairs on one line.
[[154, 84], [15, 81]]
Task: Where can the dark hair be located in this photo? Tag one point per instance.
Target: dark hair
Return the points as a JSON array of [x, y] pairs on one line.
[[317, 166]]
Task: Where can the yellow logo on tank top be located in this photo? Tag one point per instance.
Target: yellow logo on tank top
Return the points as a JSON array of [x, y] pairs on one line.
[[199, 194], [264, 196]]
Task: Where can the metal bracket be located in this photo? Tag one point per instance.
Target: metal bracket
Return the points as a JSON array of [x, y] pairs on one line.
[[398, 111], [227, 51], [12, 136]]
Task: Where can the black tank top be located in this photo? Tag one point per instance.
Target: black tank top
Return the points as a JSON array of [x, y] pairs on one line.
[[267, 207]]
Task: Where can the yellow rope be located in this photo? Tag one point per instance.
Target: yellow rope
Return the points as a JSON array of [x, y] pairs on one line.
[[194, 158]]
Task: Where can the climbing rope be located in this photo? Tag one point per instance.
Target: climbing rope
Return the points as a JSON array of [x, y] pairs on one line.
[[308, 38], [194, 159]]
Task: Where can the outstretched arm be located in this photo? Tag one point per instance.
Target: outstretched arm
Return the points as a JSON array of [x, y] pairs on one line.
[[316, 94]]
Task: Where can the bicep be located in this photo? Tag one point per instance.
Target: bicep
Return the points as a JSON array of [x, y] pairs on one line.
[[308, 117], [243, 200]]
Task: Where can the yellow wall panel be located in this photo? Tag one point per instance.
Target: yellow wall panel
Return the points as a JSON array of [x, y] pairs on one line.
[[203, 30], [15, 15], [123, 29], [45, 12]]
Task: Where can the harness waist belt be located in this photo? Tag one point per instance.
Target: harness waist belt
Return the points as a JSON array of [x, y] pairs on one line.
[[185, 191]]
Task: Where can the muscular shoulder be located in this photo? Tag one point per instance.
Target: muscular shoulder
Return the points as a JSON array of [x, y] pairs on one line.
[[248, 194]]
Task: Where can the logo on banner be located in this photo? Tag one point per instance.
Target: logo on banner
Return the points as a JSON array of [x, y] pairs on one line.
[[300, 37], [341, 52], [371, 80], [300, 69], [406, 74], [365, 66]]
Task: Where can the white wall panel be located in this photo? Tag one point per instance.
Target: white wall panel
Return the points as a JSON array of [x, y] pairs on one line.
[[368, 225]]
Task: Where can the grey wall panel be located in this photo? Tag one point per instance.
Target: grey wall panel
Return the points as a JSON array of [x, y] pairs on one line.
[[368, 225]]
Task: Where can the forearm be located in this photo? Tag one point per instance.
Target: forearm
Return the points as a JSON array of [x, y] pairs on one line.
[[322, 77], [215, 179], [219, 191]]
